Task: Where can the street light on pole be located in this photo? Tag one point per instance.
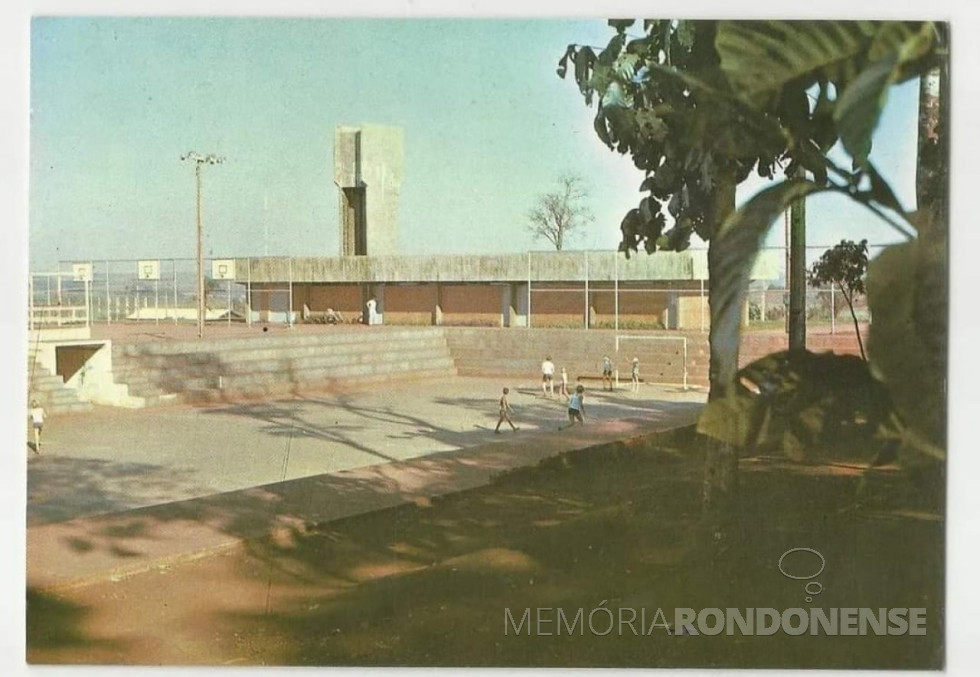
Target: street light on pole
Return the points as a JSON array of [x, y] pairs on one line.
[[199, 160]]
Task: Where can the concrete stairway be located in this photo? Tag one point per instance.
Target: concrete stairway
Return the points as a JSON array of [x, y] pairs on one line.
[[51, 392], [217, 370], [519, 352]]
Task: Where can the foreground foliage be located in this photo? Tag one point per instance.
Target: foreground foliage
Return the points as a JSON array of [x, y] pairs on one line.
[[699, 105]]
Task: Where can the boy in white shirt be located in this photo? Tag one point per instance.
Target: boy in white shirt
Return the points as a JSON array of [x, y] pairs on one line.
[[548, 376]]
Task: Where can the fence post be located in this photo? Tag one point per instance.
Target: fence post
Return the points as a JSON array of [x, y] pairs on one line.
[[289, 310], [30, 301], [701, 305], [616, 290], [173, 265], [685, 363], [528, 290], [248, 293], [833, 312], [586, 288], [108, 302]]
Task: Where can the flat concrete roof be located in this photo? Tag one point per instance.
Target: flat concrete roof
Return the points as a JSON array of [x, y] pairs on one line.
[[596, 266]]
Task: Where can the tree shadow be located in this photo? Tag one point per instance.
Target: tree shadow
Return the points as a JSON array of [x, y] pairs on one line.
[[62, 488], [427, 585], [425, 580], [54, 629]]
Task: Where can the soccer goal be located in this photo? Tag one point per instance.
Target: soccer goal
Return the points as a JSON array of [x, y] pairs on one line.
[[623, 338]]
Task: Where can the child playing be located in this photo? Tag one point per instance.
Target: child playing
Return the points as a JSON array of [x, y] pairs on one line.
[[576, 408], [548, 377], [563, 386], [636, 374], [607, 373], [37, 422], [505, 412]]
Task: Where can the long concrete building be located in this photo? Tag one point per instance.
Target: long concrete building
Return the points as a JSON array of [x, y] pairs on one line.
[[541, 289]]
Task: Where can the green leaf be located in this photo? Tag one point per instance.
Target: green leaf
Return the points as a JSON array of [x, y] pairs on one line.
[[911, 40], [584, 60], [907, 295], [685, 34], [650, 126], [614, 97], [761, 57], [601, 82], [563, 62], [621, 24], [625, 66], [732, 253], [608, 56], [599, 124], [882, 192], [859, 107]]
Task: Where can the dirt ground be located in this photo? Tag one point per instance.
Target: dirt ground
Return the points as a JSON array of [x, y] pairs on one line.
[[430, 583]]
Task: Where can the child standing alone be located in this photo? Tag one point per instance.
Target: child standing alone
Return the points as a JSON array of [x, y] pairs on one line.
[[576, 408], [505, 412], [37, 422]]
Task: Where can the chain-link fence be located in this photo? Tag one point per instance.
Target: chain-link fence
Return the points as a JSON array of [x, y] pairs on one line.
[[165, 290], [827, 308]]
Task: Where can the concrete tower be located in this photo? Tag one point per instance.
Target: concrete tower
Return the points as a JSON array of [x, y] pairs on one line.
[[368, 162]]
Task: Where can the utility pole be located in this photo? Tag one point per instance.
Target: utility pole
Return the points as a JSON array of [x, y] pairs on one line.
[[797, 274], [198, 161]]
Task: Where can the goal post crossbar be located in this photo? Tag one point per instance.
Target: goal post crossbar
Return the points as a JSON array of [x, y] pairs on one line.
[[637, 337]]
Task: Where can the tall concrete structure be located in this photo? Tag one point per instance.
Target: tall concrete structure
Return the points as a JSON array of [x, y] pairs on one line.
[[368, 161]]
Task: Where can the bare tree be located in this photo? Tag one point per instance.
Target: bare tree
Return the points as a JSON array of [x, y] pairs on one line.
[[557, 214]]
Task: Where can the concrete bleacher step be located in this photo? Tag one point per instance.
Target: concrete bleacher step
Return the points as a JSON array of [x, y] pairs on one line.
[[279, 388], [294, 367], [279, 342], [243, 361], [308, 375], [196, 371], [50, 391]]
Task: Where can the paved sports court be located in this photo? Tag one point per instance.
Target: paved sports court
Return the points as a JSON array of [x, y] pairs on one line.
[[113, 460]]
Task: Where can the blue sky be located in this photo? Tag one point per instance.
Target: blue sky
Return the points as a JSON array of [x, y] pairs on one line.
[[487, 123]]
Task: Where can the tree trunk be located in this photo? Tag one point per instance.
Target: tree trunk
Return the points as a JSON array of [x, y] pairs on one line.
[[857, 328], [932, 193], [720, 484]]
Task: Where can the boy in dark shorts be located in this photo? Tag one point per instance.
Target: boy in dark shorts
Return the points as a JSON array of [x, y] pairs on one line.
[[607, 373], [576, 408], [505, 412]]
